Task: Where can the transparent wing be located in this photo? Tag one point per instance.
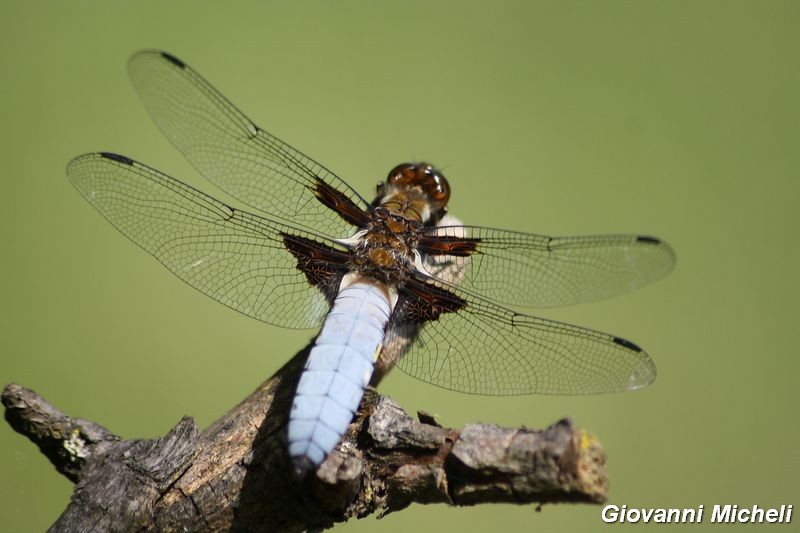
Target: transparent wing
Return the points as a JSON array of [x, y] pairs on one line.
[[231, 151], [483, 348], [535, 271], [237, 258]]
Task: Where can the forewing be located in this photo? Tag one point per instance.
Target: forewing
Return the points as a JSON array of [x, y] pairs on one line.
[[245, 161], [471, 345], [237, 258], [535, 271]]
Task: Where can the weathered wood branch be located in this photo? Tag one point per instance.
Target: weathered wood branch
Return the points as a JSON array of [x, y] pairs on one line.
[[236, 475]]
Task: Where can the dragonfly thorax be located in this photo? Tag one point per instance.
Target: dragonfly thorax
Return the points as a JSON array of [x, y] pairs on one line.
[[386, 250]]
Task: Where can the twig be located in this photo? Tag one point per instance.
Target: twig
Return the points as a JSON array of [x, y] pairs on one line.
[[236, 475]]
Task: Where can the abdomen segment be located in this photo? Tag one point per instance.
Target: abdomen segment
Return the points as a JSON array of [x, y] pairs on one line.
[[338, 369]]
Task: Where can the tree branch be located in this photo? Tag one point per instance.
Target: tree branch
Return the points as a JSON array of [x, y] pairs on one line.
[[237, 476]]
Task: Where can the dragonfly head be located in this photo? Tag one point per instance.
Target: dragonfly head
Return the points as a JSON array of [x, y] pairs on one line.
[[416, 183]]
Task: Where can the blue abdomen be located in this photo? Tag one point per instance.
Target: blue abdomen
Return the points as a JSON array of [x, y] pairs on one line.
[[338, 370]]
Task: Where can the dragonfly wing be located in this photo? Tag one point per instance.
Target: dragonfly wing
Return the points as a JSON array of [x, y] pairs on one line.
[[249, 263], [468, 344], [536, 271], [239, 157]]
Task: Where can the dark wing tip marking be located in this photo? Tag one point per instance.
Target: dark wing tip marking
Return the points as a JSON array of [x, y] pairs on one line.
[[626, 344], [174, 60], [118, 158], [648, 239]]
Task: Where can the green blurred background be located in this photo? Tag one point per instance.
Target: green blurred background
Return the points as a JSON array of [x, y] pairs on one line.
[[677, 119]]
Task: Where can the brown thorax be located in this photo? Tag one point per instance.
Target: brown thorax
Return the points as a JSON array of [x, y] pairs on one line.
[[386, 250], [414, 195]]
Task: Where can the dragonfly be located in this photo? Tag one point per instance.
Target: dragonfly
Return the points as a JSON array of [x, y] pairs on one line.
[[396, 281]]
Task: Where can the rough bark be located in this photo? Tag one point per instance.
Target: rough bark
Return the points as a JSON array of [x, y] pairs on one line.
[[236, 475]]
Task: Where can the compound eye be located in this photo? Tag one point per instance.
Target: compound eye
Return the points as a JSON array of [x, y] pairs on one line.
[[438, 189], [401, 174]]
